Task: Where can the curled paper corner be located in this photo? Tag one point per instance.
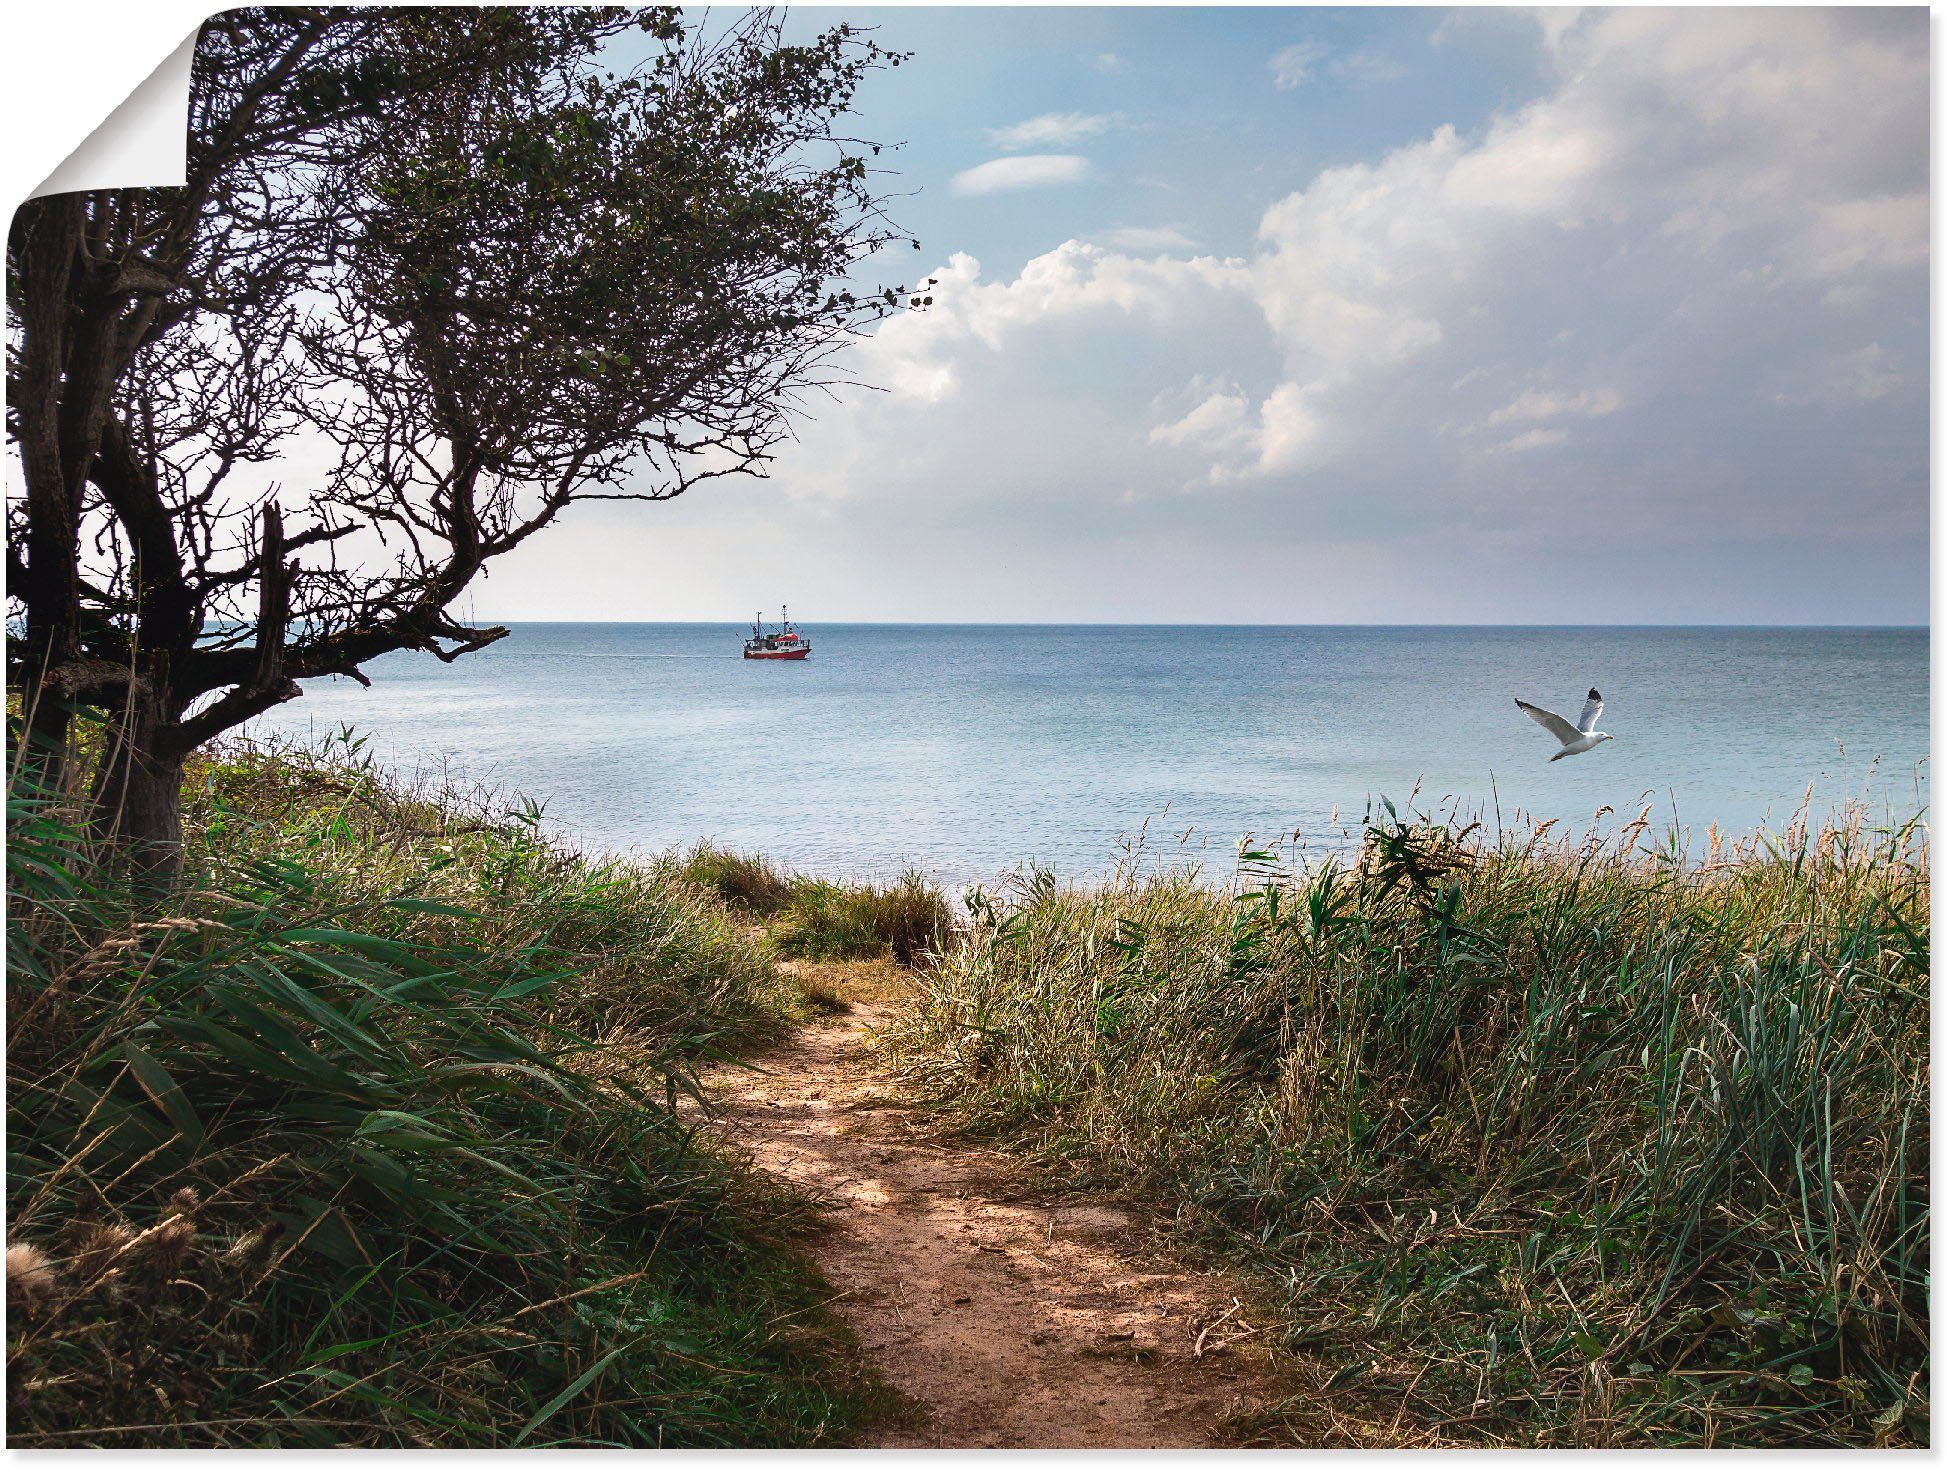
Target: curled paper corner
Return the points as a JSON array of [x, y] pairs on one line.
[[143, 143]]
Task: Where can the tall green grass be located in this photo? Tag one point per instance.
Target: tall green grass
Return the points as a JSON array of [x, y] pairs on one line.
[[750, 882], [822, 920], [1534, 1142], [369, 1138]]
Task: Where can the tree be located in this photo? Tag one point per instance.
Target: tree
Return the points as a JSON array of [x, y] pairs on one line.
[[488, 275]]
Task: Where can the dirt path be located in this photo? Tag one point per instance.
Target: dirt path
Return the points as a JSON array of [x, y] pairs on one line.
[[1015, 1320]]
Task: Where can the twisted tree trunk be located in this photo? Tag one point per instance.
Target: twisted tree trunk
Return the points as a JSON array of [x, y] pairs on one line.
[[138, 794]]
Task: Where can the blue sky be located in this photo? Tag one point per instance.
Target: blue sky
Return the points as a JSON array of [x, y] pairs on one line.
[[1176, 141], [1361, 315]]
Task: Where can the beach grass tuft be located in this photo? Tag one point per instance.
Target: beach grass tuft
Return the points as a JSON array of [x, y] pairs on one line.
[[1531, 1142], [748, 881], [370, 1137], [828, 921], [819, 919]]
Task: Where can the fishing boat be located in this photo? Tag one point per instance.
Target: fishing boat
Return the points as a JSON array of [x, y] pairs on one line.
[[782, 642]]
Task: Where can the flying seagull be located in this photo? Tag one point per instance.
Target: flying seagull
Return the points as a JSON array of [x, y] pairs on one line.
[[1580, 737]]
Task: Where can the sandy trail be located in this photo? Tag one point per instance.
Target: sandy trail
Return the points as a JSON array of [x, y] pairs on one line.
[[1013, 1319]]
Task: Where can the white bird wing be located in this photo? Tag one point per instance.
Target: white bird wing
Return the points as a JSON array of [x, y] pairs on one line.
[[1553, 724], [1591, 713]]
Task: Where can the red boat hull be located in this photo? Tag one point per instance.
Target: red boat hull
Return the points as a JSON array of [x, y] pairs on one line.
[[777, 653]]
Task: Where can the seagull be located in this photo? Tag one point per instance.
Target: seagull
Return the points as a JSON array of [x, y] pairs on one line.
[[1580, 737]]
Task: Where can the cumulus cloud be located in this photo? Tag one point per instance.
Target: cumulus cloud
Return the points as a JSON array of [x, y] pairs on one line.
[[1685, 161], [1043, 381], [1590, 312], [1052, 130], [1023, 171], [916, 355], [1218, 420], [1684, 169]]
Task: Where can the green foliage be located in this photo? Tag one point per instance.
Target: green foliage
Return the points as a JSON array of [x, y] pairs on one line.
[[750, 883], [652, 955], [1542, 1144], [822, 920], [832, 922], [371, 1139], [548, 282]]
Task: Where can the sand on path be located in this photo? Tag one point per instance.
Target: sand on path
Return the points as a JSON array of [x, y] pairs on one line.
[[1013, 1316]]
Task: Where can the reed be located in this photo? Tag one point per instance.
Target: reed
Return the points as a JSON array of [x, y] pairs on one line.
[[826, 921], [370, 1138], [819, 919], [750, 882], [1531, 1142]]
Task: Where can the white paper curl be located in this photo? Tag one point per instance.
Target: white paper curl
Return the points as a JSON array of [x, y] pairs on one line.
[[143, 142]]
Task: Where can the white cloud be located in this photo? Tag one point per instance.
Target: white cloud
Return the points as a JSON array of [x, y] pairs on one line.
[[1219, 420], [1024, 171], [1299, 64], [965, 383], [1668, 175], [1147, 238], [1884, 232], [1109, 63], [1285, 433], [916, 355], [1540, 404], [1845, 380], [1724, 151], [1293, 433], [1053, 129], [1292, 67], [1580, 317], [1367, 65], [1534, 439]]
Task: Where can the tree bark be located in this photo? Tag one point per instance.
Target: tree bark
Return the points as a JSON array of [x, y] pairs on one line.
[[137, 799], [44, 233], [152, 822], [164, 339]]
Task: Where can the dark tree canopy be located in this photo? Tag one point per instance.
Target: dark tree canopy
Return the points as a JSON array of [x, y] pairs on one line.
[[434, 276]]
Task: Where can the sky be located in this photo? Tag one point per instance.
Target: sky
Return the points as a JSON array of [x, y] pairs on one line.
[[1371, 316]]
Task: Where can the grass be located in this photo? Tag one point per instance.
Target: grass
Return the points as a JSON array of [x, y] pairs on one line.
[[819, 920], [374, 1136], [370, 1138], [751, 883], [1535, 1143]]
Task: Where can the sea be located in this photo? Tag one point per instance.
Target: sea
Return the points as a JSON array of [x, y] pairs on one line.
[[971, 752]]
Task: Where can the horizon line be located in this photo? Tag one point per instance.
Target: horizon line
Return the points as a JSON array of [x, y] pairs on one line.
[[1190, 624]]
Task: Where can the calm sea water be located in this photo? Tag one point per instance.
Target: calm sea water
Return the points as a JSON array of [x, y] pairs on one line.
[[969, 750]]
